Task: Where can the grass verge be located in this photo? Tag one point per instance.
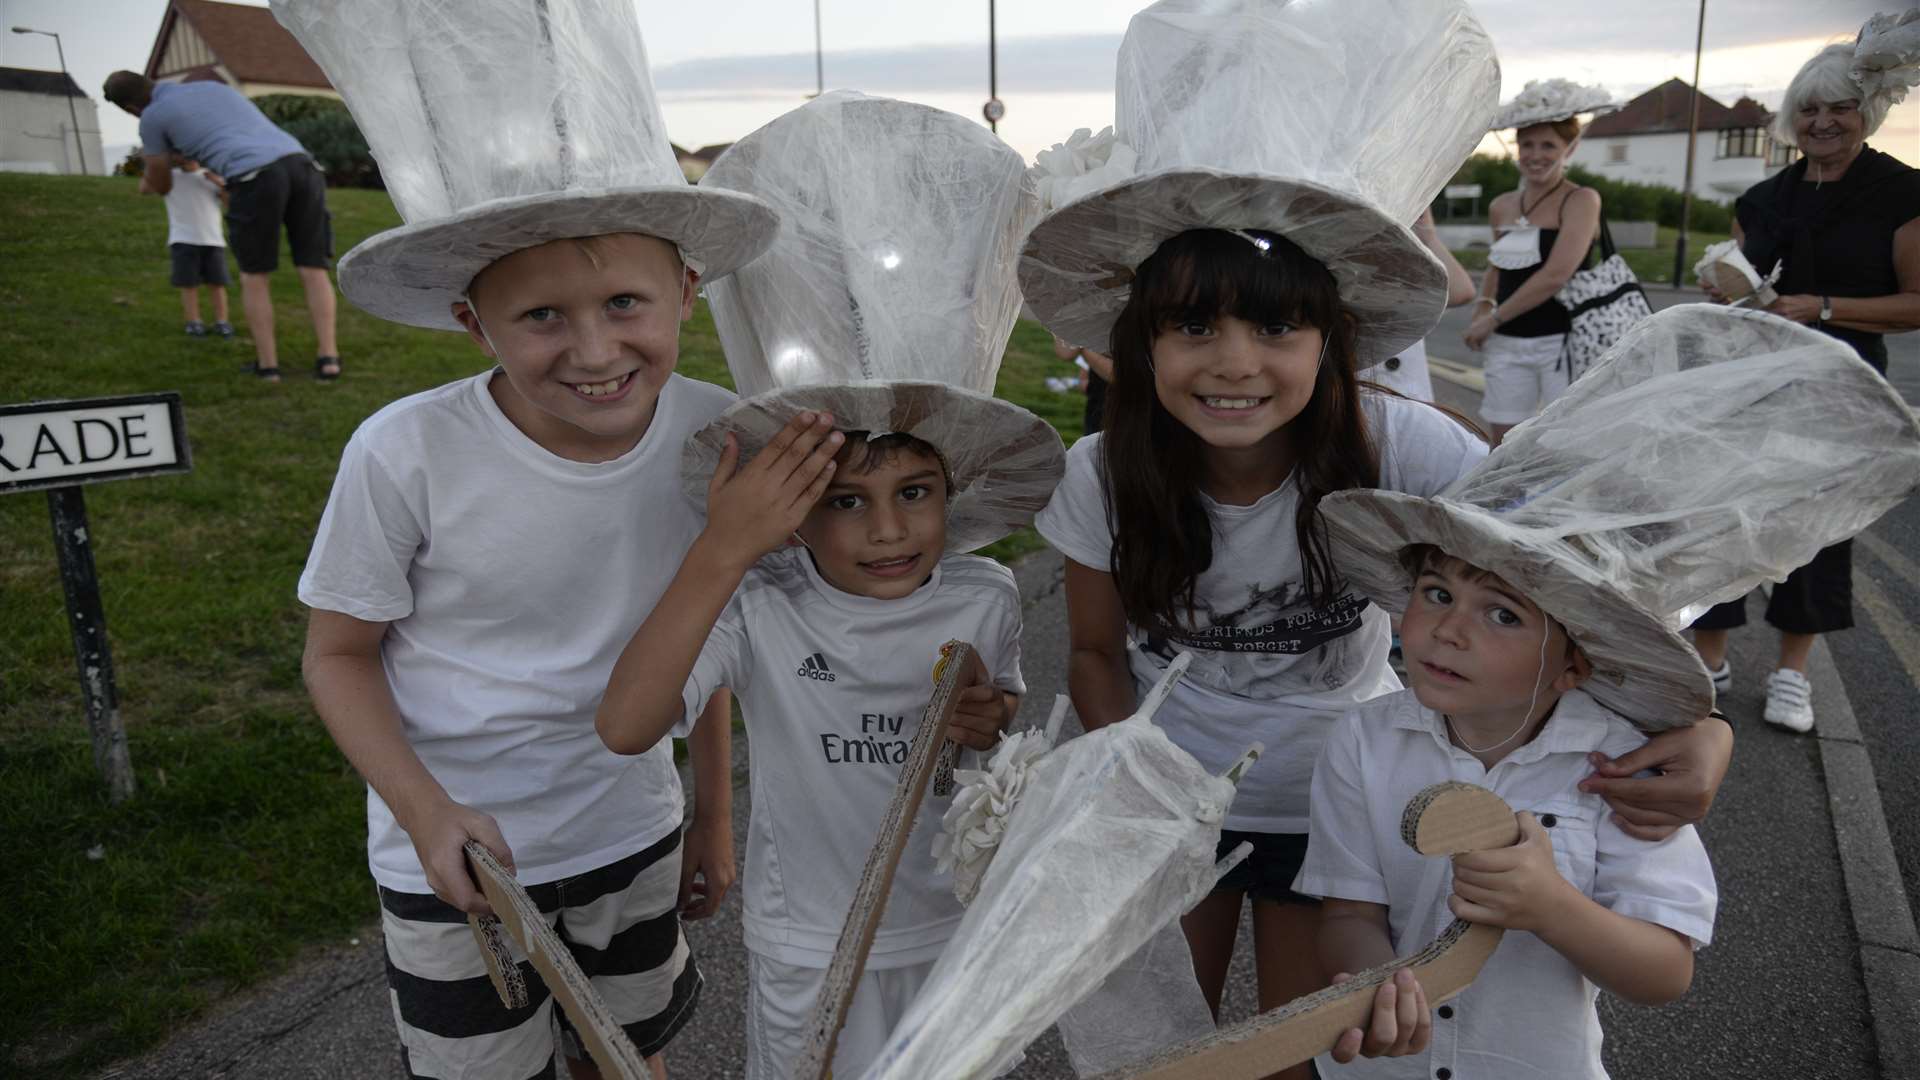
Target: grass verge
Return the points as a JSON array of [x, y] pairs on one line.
[[245, 843]]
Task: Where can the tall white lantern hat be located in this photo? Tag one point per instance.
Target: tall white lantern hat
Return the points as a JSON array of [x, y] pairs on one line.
[[501, 126], [887, 299], [1331, 124]]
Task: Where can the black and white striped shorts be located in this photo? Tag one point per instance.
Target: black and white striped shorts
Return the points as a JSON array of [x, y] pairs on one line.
[[622, 926]]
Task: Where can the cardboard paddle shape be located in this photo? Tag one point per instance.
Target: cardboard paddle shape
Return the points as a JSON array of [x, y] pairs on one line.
[[518, 916], [1452, 818]]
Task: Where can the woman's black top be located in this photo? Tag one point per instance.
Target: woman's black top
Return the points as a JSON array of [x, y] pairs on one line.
[[1836, 237], [1549, 316]]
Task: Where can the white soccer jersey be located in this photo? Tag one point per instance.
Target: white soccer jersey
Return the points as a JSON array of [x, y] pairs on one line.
[[832, 686]]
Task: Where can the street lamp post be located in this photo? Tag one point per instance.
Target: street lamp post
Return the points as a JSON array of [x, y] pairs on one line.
[[994, 109], [72, 114], [819, 59]]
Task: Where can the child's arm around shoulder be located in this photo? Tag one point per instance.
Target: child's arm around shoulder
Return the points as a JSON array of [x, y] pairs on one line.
[[351, 693], [751, 510]]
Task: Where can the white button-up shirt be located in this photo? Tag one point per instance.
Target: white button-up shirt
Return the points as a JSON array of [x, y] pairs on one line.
[[1530, 1013]]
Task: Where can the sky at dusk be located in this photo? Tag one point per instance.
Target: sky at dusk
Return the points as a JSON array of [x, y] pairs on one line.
[[724, 68]]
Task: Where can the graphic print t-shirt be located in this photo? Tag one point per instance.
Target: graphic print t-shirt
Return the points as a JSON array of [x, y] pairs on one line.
[[833, 686], [1269, 666]]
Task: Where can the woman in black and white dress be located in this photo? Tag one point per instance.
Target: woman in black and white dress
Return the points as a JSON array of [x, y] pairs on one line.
[[1543, 235], [1843, 225]]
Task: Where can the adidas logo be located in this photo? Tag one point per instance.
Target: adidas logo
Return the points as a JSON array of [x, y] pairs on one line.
[[815, 667]]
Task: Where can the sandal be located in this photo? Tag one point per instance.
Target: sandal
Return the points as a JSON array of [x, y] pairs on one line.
[[320, 365], [264, 374]]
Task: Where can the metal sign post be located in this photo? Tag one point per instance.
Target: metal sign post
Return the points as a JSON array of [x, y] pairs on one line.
[[57, 446]]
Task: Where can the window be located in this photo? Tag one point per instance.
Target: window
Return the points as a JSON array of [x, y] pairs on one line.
[[1743, 143], [1779, 154], [1617, 153]]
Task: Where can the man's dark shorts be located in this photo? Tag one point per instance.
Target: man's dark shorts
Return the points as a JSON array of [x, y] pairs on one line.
[[290, 191], [198, 264]]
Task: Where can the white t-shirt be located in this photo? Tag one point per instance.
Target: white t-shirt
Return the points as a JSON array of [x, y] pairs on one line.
[[832, 686], [1268, 666], [511, 579], [193, 210], [1404, 374], [1530, 1013]]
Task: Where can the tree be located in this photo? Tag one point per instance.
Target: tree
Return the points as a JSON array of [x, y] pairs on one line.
[[135, 165], [325, 127]]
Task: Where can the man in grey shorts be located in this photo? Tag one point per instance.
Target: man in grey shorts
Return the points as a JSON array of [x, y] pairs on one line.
[[270, 182]]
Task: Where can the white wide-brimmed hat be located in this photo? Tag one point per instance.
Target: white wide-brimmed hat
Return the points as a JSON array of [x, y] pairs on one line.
[[886, 299], [1544, 101], [505, 125], [1332, 125], [1712, 448]]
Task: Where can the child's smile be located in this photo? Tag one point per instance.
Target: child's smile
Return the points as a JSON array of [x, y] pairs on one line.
[[882, 525]]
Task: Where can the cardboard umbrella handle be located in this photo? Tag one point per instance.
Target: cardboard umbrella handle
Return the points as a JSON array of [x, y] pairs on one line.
[[1452, 818], [870, 898], [517, 915]]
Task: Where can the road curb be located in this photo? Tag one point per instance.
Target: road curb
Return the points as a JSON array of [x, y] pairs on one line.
[[1882, 919]]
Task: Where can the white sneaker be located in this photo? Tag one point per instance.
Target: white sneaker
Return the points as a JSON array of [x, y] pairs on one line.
[[1789, 700], [1722, 677]]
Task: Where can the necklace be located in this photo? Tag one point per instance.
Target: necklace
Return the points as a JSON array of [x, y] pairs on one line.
[[1525, 209]]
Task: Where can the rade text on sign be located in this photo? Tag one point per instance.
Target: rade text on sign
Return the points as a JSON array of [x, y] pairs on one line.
[[58, 443]]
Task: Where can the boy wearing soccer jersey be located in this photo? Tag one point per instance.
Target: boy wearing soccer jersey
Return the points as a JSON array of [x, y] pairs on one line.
[[842, 497]]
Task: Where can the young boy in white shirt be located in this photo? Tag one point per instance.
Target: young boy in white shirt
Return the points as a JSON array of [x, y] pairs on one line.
[[1544, 592], [196, 244], [869, 339], [490, 545]]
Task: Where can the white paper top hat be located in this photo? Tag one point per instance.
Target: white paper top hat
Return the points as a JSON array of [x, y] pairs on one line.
[[1544, 101], [887, 298], [1331, 124], [503, 125], [1712, 449]]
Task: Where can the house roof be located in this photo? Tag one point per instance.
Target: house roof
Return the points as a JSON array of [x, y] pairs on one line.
[[35, 81], [712, 150], [249, 42], [1665, 108]]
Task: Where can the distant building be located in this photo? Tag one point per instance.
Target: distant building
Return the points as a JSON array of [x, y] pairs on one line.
[[1646, 142], [238, 44], [36, 125]]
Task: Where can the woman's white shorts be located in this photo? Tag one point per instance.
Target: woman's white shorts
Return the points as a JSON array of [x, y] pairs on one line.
[[1523, 375]]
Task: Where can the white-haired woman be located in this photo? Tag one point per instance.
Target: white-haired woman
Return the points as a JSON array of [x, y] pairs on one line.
[[1543, 234], [1845, 222]]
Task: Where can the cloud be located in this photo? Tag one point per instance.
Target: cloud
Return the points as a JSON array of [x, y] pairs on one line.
[[1031, 65]]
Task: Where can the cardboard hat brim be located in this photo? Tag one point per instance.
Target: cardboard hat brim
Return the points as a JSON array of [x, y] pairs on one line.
[[1003, 460], [1642, 670], [1078, 262], [414, 274], [1512, 119]]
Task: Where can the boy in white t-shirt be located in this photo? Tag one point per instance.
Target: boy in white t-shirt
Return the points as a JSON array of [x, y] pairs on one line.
[[490, 545], [1543, 592], [196, 244], [871, 442]]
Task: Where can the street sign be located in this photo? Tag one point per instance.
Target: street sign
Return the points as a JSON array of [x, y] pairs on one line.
[[1463, 191], [994, 110], [57, 446], [48, 444]]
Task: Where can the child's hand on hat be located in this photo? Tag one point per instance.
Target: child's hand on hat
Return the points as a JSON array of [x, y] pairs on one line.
[[984, 710], [1401, 1022], [1515, 888], [753, 508]]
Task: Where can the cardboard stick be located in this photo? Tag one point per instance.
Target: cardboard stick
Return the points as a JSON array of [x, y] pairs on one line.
[[870, 899], [1453, 818], [516, 913]]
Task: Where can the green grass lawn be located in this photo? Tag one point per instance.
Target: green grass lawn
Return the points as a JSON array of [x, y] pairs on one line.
[[1653, 266], [246, 841]]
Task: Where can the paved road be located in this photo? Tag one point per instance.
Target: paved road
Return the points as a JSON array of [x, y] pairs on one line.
[[1809, 944]]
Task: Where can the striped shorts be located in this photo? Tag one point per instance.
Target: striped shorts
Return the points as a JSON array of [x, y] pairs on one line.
[[620, 923]]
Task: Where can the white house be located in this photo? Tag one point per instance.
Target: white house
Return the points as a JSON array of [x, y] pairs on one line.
[[36, 124], [1646, 142]]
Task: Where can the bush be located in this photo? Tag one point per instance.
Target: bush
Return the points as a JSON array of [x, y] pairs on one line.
[[135, 165], [325, 127], [1622, 200]]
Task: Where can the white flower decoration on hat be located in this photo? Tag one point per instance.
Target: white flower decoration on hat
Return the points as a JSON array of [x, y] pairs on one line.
[[1543, 101], [1886, 58], [1085, 162]]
